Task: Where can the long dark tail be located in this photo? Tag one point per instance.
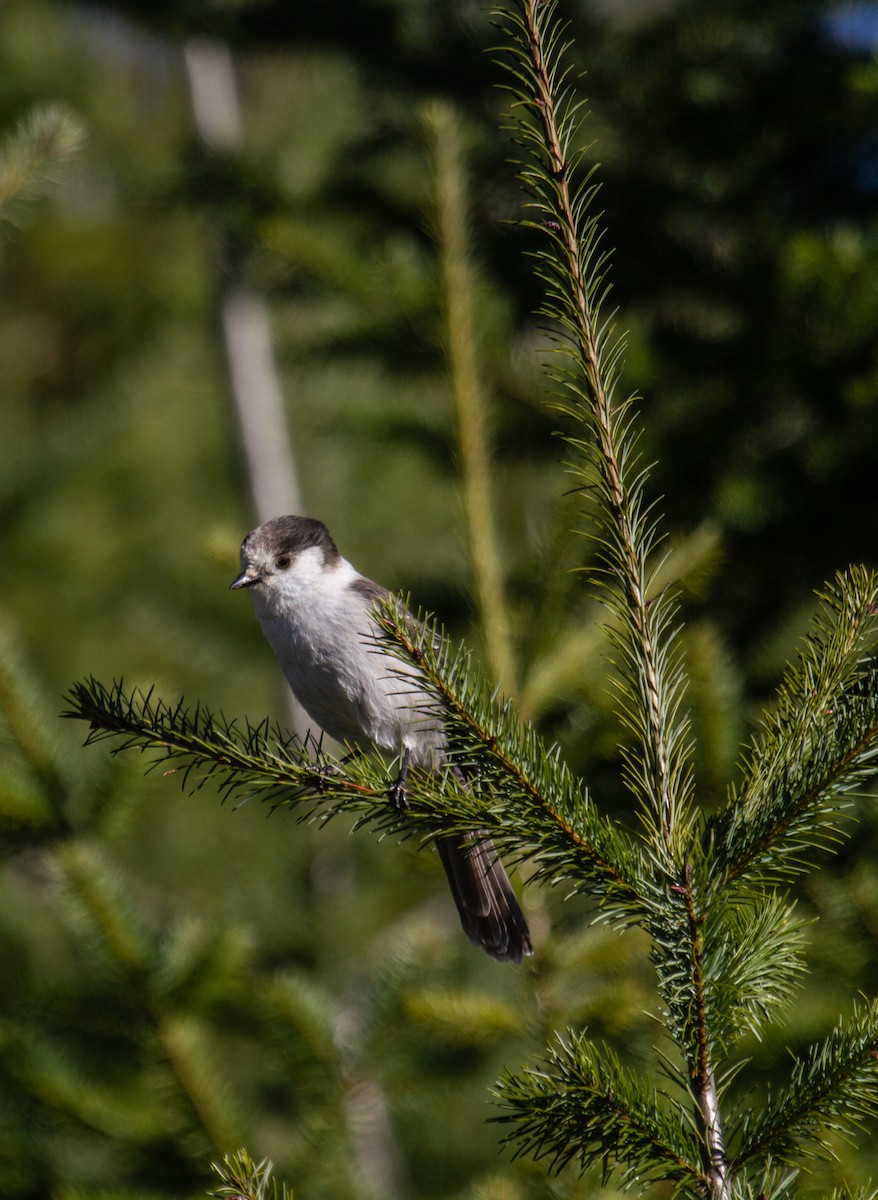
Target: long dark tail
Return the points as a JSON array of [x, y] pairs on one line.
[[489, 912]]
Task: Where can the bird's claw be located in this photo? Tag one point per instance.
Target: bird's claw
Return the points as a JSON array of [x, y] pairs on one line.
[[399, 793], [399, 796]]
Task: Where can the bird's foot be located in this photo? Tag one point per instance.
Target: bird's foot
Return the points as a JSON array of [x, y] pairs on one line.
[[399, 793]]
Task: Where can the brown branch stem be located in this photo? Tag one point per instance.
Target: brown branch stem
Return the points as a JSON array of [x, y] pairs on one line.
[[703, 1078]]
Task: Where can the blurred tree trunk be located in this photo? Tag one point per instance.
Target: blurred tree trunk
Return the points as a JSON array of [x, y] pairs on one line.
[[253, 376], [254, 382]]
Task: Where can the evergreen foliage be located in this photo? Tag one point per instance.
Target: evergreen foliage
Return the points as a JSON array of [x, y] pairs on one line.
[[725, 946], [176, 974], [243, 1179], [48, 135]]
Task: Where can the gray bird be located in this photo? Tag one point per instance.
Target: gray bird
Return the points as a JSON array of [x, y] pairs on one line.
[[318, 614]]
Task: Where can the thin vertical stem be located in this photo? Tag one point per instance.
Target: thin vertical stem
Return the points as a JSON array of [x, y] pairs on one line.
[[458, 282], [703, 1077], [576, 293], [628, 539]]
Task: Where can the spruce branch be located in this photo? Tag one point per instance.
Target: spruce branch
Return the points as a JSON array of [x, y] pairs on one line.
[[721, 968], [752, 965], [258, 759], [520, 792], [553, 820], [202, 1080], [643, 628], [576, 648], [814, 749], [581, 1103], [243, 1179], [105, 913], [545, 115], [832, 1089], [48, 134], [52, 1072]]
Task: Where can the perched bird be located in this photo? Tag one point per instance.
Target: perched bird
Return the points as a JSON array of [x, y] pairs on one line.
[[318, 614]]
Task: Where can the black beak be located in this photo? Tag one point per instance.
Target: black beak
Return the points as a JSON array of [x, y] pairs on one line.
[[247, 578]]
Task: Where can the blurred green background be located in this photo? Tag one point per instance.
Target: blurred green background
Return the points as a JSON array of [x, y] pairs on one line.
[[178, 978]]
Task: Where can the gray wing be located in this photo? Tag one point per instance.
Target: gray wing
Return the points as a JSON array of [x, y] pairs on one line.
[[488, 910]]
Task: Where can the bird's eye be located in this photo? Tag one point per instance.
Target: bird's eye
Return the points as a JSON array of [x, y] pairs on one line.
[[283, 562]]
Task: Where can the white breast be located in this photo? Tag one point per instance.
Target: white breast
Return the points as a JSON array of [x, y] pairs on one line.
[[324, 636]]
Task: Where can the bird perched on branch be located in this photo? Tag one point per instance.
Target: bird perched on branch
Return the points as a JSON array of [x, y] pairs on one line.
[[319, 616]]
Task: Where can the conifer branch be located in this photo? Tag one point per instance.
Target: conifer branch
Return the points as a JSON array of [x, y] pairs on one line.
[[243, 1179], [815, 748], [205, 1087], [47, 135], [833, 1088], [260, 759], [573, 270], [488, 738], [644, 632], [581, 1103], [751, 964], [524, 796]]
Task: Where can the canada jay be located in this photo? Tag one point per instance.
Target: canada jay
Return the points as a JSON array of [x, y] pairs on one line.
[[318, 614]]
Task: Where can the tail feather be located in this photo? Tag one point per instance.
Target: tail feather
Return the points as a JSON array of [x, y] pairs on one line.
[[489, 912]]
